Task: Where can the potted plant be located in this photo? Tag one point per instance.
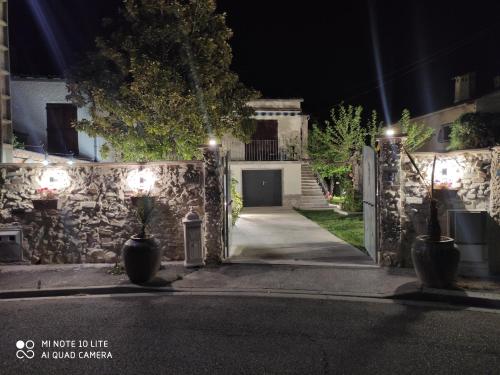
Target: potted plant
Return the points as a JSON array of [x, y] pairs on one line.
[[141, 254], [48, 199], [435, 257]]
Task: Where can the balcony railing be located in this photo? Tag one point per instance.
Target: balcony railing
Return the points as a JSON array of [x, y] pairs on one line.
[[263, 150]]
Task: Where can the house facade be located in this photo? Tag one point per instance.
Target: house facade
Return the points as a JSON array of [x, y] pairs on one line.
[[42, 120], [464, 102], [271, 169]]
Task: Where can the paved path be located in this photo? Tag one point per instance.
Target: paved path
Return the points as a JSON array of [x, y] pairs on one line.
[[275, 233], [228, 335]]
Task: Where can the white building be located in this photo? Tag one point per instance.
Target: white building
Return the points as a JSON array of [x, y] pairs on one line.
[[464, 102], [271, 169], [42, 119]]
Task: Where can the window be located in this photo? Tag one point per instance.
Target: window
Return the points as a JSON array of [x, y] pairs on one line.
[[62, 137], [444, 133]]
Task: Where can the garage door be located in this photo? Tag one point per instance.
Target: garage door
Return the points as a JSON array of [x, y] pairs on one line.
[[262, 188]]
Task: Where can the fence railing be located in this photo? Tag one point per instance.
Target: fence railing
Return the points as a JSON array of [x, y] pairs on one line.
[[262, 150]]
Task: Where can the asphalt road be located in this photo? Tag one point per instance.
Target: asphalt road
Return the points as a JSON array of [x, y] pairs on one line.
[[247, 335]]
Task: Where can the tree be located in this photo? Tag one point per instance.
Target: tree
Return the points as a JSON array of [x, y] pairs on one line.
[[331, 148], [475, 130], [417, 134], [160, 83]]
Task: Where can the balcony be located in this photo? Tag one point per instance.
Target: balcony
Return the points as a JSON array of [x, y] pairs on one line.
[[263, 150]]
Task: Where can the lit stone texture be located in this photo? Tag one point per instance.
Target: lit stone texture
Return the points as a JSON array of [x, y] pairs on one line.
[[96, 217]]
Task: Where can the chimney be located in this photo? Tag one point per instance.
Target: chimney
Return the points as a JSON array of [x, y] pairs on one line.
[[496, 82], [465, 87]]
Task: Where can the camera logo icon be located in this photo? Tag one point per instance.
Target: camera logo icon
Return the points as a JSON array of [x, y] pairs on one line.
[[25, 349]]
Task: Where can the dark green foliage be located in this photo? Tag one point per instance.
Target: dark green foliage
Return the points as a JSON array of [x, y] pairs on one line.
[[475, 130], [353, 201], [237, 204], [161, 83]]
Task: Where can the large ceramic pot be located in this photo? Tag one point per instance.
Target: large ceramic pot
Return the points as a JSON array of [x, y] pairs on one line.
[[142, 259], [436, 262]]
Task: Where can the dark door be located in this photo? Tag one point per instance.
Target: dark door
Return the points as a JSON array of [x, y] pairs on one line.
[[62, 137], [262, 188]]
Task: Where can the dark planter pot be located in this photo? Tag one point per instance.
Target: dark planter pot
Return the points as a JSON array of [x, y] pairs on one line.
[[142, 259], [436, 262], [44, 204]]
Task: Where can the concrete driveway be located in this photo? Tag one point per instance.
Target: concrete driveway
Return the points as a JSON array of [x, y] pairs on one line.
[[275, 235]]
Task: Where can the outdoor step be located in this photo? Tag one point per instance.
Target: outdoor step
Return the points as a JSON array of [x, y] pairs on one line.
[[309, 200], [308, 206], [311, 188]]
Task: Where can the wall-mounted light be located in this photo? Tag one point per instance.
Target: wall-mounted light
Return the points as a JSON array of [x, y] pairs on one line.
[[212, 142], [389, 131], [54, 179], [45, 161], [141, 180], [447, 173], [71, 161]]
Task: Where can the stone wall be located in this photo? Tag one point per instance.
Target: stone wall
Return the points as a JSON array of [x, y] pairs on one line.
[[464, 181], [96, 216], [494, 212], [389, 202]]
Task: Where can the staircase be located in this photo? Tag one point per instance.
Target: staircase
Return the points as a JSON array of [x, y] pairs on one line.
[[312, 195]]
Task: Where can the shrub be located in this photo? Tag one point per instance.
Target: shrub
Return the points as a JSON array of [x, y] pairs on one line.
[[353, 201], [475, 130], [237, 205]]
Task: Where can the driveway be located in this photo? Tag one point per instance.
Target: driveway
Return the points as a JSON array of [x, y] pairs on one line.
[[279, 234]]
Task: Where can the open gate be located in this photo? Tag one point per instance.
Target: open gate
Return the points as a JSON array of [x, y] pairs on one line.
[[370, 201], [228, 201]]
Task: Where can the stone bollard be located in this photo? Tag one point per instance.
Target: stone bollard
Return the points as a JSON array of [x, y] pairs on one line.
[[193, 249]]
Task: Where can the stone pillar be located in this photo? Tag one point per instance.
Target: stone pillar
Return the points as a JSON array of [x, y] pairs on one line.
[[213, 200], [390, 201], [494, 214]]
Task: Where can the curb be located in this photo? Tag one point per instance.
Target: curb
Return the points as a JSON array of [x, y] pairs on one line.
[[453, 298]]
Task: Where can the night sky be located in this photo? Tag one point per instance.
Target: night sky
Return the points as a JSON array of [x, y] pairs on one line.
[[322, 51]]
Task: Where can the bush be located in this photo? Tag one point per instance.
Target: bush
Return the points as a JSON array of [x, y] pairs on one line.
[[337, 200], [475, 130], [237, 204], [353, 201]]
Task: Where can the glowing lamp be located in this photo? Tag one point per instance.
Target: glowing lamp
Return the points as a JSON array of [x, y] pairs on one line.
[[447, 174], [54, 179], [212, 142], [390, 132], [141, 180], [45, 162]]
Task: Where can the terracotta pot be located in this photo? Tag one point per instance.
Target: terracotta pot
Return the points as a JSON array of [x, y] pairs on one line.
[[142, 259], [44, 204], [436, 262]]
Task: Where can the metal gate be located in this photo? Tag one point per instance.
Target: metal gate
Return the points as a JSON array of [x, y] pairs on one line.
[[262, 188], [228, 201], [370, 201]]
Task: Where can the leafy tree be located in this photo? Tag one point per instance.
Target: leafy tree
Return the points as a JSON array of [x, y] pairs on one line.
[[160, 84], [417, 134], [331, 148], [373, 127], [475, 130]]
